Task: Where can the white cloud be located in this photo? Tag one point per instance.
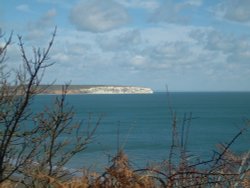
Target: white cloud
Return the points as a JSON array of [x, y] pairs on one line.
[[61, 57], [139, 60], [38, 29], [219, 42], [167, 55], [159, 52], [59, 4], [168, 32], [13, 59], [194, 2], [233, 10], [145, 4], [241, 58], [34, 34], [51, 1], [47, 19], [148, 49], [172, 12], [117, 51], [125, 40], [50, 13], [235, 49], [98, 16], [163, 48], [23, 8]]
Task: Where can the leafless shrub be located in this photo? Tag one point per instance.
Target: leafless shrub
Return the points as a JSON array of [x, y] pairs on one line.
[[30, 142]]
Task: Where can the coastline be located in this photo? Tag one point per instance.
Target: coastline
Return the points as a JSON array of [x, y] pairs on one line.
[[82, 89]]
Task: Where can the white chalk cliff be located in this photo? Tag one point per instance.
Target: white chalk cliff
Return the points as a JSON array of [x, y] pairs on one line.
[[117, 90], [101, 90]]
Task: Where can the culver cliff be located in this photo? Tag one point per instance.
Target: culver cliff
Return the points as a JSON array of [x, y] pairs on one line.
[[83, 89]]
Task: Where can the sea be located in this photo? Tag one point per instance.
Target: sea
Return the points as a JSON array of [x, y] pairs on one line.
[[142, 125]]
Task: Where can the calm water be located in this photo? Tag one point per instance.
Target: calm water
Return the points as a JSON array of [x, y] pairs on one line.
[[144, 124]]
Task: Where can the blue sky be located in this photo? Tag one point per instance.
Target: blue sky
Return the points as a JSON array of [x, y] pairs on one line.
[[192, 45]]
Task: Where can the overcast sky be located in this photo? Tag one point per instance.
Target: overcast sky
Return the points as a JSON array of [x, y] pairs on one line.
[[192, 45]]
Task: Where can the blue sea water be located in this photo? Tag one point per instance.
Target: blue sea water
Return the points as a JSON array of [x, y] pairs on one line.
[[142, 124]]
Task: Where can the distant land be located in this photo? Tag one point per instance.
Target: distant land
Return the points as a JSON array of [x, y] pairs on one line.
[[95, 89]]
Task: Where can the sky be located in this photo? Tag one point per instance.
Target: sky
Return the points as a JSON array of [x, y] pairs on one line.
[[186, 45]]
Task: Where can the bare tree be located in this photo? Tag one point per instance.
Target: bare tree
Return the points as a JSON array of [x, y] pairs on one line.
[[15, 100], [30, 139]]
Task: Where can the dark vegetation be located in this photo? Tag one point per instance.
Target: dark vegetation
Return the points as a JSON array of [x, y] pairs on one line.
[[33, 155]]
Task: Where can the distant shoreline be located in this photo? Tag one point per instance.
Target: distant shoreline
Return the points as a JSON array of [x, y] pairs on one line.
[[95, 89]]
